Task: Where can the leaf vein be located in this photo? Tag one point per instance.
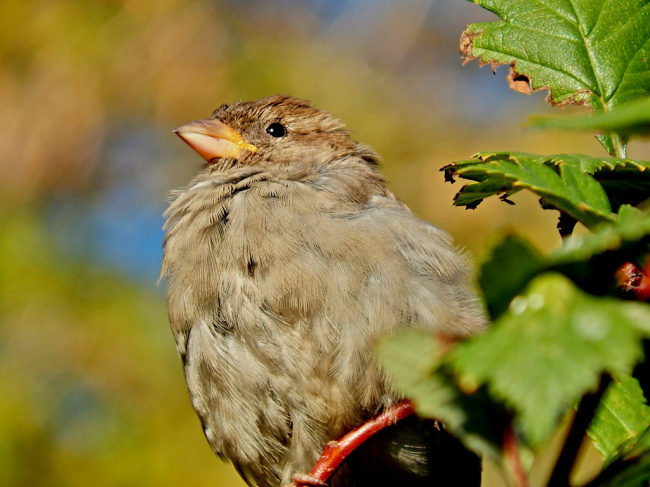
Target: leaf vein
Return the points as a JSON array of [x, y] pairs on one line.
[[557, 12], [619, 81]]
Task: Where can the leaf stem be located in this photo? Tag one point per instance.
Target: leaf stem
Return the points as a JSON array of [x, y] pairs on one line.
[[512, 457], [620, 147], [336, 451], [569, 454]]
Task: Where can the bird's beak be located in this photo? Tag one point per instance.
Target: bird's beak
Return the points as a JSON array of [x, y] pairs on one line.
[[213, 139]]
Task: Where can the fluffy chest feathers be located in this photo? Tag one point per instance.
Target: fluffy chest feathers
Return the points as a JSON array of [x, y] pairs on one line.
[[245, 231]]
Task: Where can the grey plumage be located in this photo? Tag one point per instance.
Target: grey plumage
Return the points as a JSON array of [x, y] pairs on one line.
[[283, 265]]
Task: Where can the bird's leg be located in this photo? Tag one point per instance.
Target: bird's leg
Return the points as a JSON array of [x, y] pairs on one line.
[[335, 452]]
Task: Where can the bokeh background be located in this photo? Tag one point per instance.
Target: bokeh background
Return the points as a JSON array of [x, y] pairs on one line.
[[91, 389]]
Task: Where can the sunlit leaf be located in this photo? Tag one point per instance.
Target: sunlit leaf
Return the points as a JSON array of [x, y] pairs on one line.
[[587, 188], [583, 51], [564, 186], [512, 263], [550, 348], [631, 468], [622, 414]]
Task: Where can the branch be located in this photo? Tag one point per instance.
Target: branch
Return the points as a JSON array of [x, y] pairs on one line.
[[335, 452], [513, 460], [586, 410]]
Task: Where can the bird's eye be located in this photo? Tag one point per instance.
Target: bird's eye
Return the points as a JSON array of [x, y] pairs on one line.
[[276, 129]]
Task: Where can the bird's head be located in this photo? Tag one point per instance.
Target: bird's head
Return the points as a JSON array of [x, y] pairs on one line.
[[278, 129]]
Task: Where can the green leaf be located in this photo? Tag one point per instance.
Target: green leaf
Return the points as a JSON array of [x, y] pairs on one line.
[[570, 189], [415, 362], [622, 414], [593, 260], [630, 119], [512, 263], [614, 145], [563, 185], [411, 356], [625, 181], [630, 214], [631, 468], [471, 195], [596, 165], [632, 229], [584, 51], [550, 348]]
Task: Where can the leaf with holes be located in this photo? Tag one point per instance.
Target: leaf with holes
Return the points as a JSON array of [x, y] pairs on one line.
[[624, 181], [583, 51], [563, 186], [593, 52]]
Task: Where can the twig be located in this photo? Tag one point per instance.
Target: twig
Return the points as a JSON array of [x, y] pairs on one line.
[[567, 459], [513, 459], [335, 452]]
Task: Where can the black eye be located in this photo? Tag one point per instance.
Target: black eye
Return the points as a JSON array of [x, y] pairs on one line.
[[276, 129]]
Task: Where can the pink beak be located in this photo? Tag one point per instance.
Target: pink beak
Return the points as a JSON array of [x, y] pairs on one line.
[[213, 139]]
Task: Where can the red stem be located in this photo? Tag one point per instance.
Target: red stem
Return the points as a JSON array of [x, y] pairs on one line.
[[513, 460], [335, 452]]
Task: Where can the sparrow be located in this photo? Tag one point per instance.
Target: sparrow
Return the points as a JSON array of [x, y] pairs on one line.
[[285, 258]]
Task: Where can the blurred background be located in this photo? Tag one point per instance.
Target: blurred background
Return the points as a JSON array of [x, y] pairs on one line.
[[90, 91]]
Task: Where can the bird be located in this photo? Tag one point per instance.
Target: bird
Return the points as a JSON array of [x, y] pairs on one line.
[[285, 259]]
